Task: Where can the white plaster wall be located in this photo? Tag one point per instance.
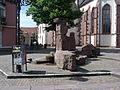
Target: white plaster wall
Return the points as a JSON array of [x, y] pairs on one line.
[[108, 40], [92, 40], [105, 40], [98, 40], [75, 29], [42, 35], [113, 13], [111, 38]]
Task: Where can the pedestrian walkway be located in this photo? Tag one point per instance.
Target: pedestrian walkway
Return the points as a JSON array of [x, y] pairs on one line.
[[110, 53], [105, 86], [105, 64]]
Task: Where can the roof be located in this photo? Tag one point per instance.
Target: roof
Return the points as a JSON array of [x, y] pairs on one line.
[[84, 2], [29, 30]]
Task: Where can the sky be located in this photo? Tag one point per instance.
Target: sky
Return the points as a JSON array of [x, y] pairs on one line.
[[26, 21]]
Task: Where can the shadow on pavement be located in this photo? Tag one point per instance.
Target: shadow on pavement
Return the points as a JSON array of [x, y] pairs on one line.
[[41, 51], [110, 50], [81, 79], [79, 69], [35, 72], [101, 71], [94, 59]]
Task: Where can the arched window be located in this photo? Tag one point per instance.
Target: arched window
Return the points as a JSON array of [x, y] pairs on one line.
[[106, 19]]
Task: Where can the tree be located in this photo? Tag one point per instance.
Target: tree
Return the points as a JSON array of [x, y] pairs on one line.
[[45, 11]]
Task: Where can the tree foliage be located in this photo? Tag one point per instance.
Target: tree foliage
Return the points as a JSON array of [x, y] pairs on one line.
[[45, 11]]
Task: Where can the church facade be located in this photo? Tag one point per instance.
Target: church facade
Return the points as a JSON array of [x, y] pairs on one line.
[[100, 23]]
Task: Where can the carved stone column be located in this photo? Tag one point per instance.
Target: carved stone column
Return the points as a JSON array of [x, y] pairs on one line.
[[64, 59], [61, 38]]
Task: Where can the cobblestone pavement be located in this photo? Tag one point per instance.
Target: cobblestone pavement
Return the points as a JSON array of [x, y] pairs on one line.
[[65, 83], [99, 64], [108, 61], [111, 53]]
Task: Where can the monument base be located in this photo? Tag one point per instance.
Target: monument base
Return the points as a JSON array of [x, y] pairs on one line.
[[65, 60]]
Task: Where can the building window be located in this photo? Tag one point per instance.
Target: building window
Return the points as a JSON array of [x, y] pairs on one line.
[[2, 1], [2, 16], [1, 12], [106, 19]]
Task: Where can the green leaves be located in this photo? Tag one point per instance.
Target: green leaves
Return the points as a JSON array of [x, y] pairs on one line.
[[44, 11]]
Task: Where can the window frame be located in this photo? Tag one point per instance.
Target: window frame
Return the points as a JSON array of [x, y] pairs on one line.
[[105, 31]]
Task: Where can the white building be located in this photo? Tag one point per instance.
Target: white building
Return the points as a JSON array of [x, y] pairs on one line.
[[42, 34], [100, 24], [45, 37]]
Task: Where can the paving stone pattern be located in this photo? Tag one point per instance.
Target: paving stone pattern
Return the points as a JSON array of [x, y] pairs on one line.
[[76, 82], [66, 83]]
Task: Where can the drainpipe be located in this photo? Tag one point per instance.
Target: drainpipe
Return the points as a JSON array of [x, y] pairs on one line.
[[100, 20]]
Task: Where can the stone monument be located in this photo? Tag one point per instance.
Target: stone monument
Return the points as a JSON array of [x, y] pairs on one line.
[[64, 58]]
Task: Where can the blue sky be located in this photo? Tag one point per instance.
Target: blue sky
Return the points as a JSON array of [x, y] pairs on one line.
[[26, 21]]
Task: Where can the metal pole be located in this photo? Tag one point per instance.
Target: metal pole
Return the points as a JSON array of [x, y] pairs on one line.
[[18, 67], [18, 21], [25, 59], [12, 62]]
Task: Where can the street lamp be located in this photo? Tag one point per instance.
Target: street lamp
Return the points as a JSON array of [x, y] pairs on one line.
[[20, 3]]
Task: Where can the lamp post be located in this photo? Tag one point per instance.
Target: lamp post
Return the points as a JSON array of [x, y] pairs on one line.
[[18, 21], [19, 4]]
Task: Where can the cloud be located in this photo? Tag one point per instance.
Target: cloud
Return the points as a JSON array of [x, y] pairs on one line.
[[26, 21]]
